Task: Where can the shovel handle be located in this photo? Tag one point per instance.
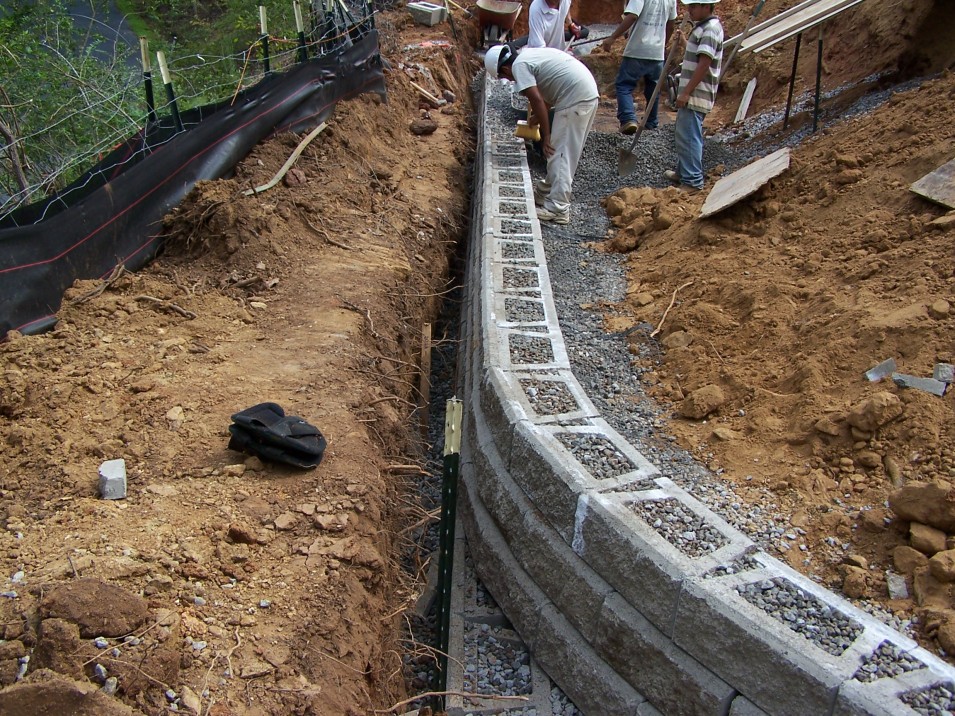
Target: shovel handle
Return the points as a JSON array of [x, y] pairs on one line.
[[656, 93]]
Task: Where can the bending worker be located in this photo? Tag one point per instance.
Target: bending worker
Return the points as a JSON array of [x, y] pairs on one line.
[[650, 23], [549, 77]]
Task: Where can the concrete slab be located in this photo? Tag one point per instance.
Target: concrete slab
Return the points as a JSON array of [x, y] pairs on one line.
[[938, 185]]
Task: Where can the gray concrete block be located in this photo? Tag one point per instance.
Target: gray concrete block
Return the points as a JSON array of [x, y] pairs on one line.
[[112, 479], [515, 394], [670, 678], [643, 469], [778, 670], [512, 588], [929, 385], [630, 561], [551, 482], [857, 699], [945, 372], [570, 661], [492, 406]]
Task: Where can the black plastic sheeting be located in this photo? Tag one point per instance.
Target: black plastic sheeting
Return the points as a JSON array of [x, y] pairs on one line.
[[113, 214]]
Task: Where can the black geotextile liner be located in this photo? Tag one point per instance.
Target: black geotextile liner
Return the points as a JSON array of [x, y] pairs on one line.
[[113, 214]]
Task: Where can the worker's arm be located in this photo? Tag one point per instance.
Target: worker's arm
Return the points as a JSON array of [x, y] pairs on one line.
[[625, 24], [669, 32], [702, 67], [539, 110]]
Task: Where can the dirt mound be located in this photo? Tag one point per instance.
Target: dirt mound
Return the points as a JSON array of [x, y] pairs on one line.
[[783, 302], [266, 589]]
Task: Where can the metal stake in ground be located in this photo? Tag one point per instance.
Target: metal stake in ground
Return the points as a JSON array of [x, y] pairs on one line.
[[170, 92], [449, 496], [264, 40], [148, 80]]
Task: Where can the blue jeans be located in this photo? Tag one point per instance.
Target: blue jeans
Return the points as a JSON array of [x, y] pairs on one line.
[[631, 72], [689, 146]]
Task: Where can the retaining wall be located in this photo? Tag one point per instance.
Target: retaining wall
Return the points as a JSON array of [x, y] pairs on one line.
[[633, 596]]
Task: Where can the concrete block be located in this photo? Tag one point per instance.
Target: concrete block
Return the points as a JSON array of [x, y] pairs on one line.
[[551, 482], [777, 669], [643, 473], [882, 370], [497, 409], [112, 479], [571, 662], [525, 311], [945, 372], [425, 13], [671, 679], [512, 588], [929, 385], [512, 387]]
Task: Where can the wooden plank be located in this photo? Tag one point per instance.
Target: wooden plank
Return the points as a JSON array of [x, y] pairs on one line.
[[771, 21], [745, 181], [938, 186], [744, 103], [786, 25]]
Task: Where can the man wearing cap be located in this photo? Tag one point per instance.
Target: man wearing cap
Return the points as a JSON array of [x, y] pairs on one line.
[[556, 79], [650, 23], [699, 79]]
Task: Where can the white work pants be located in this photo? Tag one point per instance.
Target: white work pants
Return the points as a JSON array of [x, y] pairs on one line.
[[568, 134]]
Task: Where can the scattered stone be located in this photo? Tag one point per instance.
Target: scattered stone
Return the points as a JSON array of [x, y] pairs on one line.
[[908, 559], [942, 565], [294, 177], [449, 96], [869, 459], [237, 470], [702, 401], [422, 127], [678, 339], [893, 470], [190, 699], [945, 372], [939, 309], [112, 479], [175, 417], [925, 539], [895, 584], [931, 503], [827, 426], [855, 585], [254, 669], [725, 434], [643, 299], [97, 608], [856, 560], [241, 534], [286, 521], [874, 412]]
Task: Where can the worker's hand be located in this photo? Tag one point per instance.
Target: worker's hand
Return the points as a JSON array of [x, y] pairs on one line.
[[682, 100], [575, 30], [547, 147], [607, 44]]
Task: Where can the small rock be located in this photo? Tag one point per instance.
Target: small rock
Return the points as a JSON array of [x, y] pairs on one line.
[[725, 434], [873, 413], [931, 503], [422, 127], [869, 459], [175, 417], [939, 309], [942, 565], [286, 521], [856, 560], [702, 401], [925, 539], [908, 559], [895, 583], [855, 585]]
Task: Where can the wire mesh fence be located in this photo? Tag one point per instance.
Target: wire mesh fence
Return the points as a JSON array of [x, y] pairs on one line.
[[71, 94]]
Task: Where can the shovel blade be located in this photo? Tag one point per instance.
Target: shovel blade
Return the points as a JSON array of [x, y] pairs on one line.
[[627, 162]]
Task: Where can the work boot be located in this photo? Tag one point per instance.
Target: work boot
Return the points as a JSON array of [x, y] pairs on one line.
[[629, 128], [671, 176], [554, 217]]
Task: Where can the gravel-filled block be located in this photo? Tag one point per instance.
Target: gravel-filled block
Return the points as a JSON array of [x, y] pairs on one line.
[[936, 701], [679, 526], [520, 278], [495, 666], [507, 161], [518, 311], [528, 349], [512, 208], [509, 177], [515, 226], [549, 397], [510, 191], [744, 564], [595, 452], [827, 627], [886, 661], [512, 250]]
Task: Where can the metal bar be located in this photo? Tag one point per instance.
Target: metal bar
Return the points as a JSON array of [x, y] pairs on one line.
[[300, 29], [792, 81], [170, 93], [264, 40], [815, 109], [449, 496], [148, 80]]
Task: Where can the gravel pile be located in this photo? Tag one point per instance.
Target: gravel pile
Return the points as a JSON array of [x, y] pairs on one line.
[[495, 663], [887, 660], [743, 564], [936, 701], [828, 628], [549, 397], [597, 454], [679, 526], [528, 349], [520, 278], [513, 251], [518, 310]]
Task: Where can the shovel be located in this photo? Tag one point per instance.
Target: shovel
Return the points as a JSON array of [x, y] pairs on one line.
[[628, 160]]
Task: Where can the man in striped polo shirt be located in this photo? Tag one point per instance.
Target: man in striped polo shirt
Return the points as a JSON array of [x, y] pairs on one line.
[[699, 78]]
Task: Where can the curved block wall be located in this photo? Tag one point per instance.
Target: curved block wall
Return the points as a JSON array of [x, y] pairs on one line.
[[634, 597]]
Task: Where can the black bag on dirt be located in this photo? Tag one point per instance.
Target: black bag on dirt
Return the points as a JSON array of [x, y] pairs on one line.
[[265, 430]]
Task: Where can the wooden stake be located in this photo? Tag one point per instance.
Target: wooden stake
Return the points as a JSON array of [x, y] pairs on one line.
[[424, 386]]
